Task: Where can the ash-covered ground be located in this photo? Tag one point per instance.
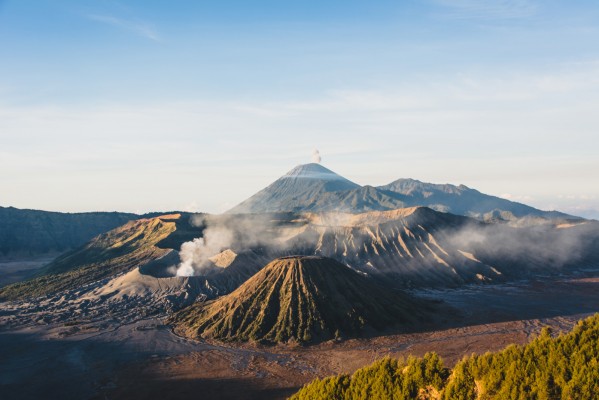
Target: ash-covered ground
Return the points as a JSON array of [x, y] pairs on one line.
[[92, 344]]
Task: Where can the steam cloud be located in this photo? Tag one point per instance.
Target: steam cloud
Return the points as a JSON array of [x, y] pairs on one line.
[[195, 255], [512, 249], [541, 246], [233, 232], [316, 156]]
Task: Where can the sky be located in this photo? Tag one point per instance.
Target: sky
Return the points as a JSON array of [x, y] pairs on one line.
[[195, 105]]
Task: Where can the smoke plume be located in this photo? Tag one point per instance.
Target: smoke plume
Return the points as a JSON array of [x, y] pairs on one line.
[[235, 232], [195, 255], [316, 158]]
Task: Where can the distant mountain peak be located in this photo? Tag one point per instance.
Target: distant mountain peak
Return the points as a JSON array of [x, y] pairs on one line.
[[314, 171], [302, 184], [407, 186], [315, 188]]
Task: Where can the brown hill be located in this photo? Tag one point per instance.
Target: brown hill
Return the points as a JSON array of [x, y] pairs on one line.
[[107, 255], [300, 298]]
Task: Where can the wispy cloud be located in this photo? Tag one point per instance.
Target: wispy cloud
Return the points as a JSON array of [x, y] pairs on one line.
[[488, 9], [140, 28], [527, 134]]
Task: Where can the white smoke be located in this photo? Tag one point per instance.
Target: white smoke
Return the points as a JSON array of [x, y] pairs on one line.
[[195, 255], [316, 156], [187, 255], [235, 232], [527, 247]]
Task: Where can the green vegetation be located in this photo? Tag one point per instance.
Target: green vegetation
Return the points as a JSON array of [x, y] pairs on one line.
[[303, 299], [110, 253], [385, 379], [562, 367]]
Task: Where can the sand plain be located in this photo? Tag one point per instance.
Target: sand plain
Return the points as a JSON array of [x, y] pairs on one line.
[[141, 358]]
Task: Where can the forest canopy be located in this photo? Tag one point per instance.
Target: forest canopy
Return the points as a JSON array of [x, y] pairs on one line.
[[562, 367]]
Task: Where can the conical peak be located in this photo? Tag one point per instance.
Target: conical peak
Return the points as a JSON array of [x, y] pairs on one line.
[[299, 298], [303, 184], [316, 173], [313, 170]]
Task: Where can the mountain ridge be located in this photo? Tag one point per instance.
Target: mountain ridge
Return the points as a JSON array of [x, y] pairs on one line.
[[471, 203], [314, 188], [26, 232]]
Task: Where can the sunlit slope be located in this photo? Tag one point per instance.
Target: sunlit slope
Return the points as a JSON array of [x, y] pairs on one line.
[[108, 254], [422, 247], [414, 245], [303, 299]]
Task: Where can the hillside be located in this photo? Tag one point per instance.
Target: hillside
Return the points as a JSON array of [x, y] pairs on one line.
[[425, 248], [25, 233], [562, 367], [410, 247], [304, 299], [108, 254]]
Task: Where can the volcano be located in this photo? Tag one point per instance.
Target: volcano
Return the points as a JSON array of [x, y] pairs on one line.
[[295, 189], [303, 299], [314, 188]]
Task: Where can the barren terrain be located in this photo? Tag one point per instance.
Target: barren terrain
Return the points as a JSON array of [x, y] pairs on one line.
[[139, 358], [19, 269]]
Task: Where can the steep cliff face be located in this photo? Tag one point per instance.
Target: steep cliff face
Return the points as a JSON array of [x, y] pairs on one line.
[[409, 246]]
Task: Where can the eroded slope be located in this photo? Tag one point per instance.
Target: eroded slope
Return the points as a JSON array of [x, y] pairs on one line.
[[303, 299]]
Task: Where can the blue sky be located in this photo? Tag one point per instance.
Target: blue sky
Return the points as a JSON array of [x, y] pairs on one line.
[[148, 105]]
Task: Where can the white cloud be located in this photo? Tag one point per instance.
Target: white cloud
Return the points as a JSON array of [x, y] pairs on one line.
[[140, 28], [515, 197], [501, 134]]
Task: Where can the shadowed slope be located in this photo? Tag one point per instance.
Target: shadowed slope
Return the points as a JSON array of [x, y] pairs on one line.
[[33, 232], [463, 200], [307, 299]]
